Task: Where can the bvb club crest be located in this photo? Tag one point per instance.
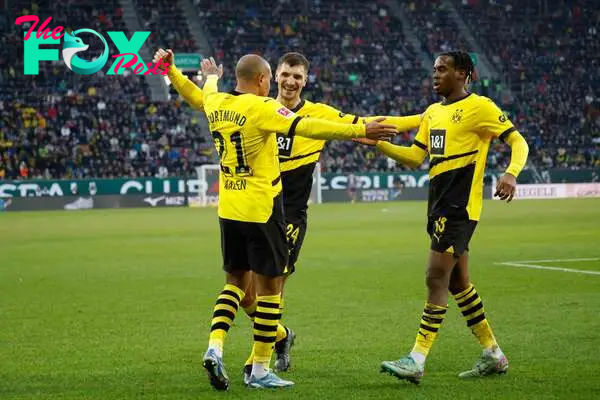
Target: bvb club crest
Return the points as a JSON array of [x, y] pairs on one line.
[[457, 116]]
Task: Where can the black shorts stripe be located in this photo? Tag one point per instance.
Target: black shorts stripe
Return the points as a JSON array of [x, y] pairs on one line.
[[420, 145], [276, 181], [439, 160], [220, 325], [265, 328], [466, 294], [472, 309], [292, 130], [428, 328], [224, 313], [476, 320], [232, 294], [265, 339], [228, 302], [435, 312], [355, 120], [504, 135], [432, 320], [299, 157], [272, 317], [468, 301], [265, 304]]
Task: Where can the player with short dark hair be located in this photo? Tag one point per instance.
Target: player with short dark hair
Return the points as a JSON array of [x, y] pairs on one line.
[[298, 157], [456, 133]]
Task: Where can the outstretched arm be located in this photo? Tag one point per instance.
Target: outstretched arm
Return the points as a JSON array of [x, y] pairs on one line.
[[271, 116], [412, 156], [403, 124]]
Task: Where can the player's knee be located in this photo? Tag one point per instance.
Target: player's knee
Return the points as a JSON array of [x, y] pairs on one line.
[[436, 279], [248, 300]]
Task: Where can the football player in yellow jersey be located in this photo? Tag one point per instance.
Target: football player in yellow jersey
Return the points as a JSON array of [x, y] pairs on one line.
[[298, 157], [456, 133], [244, 124]]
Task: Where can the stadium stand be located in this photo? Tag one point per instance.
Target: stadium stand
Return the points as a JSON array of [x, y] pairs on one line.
[[60, 124], [63, 125], [167, 23]]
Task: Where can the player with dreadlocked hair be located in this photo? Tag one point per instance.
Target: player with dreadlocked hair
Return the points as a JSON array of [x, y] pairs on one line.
[[456, 134]]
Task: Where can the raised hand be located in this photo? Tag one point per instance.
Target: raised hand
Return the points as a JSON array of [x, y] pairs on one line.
[[165, 58], [209, 67]]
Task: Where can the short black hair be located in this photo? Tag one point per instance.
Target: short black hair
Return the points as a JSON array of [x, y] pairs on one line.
[[292, 59], [464, 62]]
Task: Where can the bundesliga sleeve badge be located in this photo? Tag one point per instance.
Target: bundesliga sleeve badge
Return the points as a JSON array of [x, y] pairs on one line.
[[285, 112]]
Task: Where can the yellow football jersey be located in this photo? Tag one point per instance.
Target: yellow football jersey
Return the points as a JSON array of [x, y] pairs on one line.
[[457, 136], [244, 128], [297, 151]]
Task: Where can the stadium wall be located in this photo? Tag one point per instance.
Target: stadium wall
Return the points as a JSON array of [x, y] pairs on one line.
[[180, 192]]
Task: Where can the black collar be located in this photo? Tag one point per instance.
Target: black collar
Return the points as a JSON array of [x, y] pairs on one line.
[[447, 103], [299, 106], [235, 92]]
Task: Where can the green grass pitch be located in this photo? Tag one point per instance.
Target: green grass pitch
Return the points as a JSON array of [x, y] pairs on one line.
[[116, 304]]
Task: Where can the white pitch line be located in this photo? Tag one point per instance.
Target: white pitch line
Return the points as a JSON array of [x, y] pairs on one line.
[[534, 266], [555, 260]]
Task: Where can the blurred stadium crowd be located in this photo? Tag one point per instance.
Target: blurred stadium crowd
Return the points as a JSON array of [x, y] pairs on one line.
[[59, 124]]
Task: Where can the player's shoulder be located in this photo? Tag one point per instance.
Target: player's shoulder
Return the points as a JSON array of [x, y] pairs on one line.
[[270, 106], [432, 108], [481, 101], [326, 109], [258, 102]]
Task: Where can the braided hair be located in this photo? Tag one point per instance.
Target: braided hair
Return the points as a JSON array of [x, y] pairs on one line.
[[464, 62]]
